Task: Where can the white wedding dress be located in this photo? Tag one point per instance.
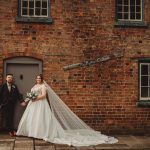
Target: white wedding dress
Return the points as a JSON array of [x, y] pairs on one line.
[[56, 123]]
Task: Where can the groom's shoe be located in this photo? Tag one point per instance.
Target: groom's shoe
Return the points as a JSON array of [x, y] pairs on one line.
[[11, 133], [14, 133]]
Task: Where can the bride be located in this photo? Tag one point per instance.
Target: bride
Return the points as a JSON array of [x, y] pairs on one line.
[[47, 117]]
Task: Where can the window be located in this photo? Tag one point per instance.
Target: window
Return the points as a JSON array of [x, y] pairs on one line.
[[130, 13], [144, 81], [34, 8], [129, 10], [34, 11]]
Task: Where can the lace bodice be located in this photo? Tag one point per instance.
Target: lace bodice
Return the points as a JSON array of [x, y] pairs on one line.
[[39, 88]]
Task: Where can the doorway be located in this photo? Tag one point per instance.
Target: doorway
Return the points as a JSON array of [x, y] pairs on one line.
[[24, 70]]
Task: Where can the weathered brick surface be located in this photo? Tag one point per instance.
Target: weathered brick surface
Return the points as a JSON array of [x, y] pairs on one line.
[[103, 95]]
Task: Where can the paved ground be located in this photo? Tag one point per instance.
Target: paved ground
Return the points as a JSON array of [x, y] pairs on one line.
[[126, 142]]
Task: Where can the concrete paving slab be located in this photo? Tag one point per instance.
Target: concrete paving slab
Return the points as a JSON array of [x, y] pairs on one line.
[[5, 148], [19, 148], [24, 144], [110, 147], [52, 147], [38, 142], [6, 145], [85, 148], [64, 147], [23, 138], [6, 137]]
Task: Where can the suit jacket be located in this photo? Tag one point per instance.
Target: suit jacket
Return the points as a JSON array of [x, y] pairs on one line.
[[0, 94], [12, 96]]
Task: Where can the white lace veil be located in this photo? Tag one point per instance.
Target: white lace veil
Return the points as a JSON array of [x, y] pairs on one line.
[[75, 131], [67, 119]]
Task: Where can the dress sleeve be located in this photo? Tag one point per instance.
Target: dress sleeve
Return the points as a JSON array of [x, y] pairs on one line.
[[32, 88]]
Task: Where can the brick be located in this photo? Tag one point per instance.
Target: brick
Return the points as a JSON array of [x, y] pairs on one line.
[[103, 95]]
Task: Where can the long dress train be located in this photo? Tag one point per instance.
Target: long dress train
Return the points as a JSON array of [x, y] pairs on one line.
[[42, 122]]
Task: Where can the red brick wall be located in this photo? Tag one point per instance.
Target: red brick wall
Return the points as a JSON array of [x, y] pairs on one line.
[[103, 95]]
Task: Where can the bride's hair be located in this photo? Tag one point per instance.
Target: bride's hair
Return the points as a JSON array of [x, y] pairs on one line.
[[41, 76]]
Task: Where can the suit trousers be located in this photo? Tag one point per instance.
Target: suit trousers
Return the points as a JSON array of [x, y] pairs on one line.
[[9, 115]]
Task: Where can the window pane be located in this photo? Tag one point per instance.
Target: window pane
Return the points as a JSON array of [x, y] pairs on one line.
[[31, 12], [24, 11], [126, 16], [38, 4], [37, 12], [138, 9], [144, 92], [44, 4], [126, 9], [132, 2], [119, 8], [132, 8], [24, 4], [138, 2], [144, 69], [132, 15], [138, 16], [144, 81], [126, 2], [44, 12], [31, 4], [119, 2], [119, 15]]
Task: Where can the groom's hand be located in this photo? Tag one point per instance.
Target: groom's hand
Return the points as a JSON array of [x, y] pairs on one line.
[[23, 104]]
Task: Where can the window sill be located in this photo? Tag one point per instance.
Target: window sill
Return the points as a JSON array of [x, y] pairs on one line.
[[143, 103], [34, 20], [131, 24]]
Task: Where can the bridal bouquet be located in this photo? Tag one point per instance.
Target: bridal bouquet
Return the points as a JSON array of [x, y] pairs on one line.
[[31, 96]]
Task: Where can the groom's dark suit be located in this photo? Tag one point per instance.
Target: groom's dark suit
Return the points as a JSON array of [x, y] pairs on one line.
[[8, 100]]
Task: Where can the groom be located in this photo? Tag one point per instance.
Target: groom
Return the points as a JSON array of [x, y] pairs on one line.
[[9, 94]]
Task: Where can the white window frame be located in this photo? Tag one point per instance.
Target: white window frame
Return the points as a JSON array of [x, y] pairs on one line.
[[34, 16], [129, 11], [145, 98]]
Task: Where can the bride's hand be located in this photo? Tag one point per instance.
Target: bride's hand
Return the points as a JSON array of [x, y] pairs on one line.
[[34, 100]]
